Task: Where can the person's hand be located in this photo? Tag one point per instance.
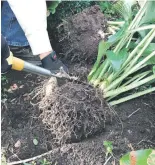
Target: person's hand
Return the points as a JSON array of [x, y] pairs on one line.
[[51, 62], [5, 56]]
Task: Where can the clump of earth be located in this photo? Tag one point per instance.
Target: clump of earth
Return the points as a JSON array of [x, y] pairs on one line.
[[77, 37], [72, 111]]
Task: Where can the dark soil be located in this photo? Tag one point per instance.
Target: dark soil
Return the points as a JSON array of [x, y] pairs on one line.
[[20, 121], [77, 37], [19, 117]]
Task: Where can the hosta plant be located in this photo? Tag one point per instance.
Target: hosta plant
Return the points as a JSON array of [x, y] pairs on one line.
[[126, 61]]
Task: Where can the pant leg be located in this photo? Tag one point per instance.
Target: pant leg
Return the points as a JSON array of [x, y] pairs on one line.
[[10, 27], [5, 53]]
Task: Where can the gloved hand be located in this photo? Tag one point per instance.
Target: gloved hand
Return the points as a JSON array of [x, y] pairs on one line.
[[5, 55], [51, 62]]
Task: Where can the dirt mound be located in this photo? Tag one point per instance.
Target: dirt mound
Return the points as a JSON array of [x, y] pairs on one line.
[[90, 152], [78, 36], [73, 111], [21, 122]]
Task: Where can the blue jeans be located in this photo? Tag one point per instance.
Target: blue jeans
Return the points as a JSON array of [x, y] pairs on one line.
[[10, 27]]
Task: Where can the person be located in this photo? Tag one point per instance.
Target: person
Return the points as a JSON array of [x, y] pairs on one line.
[[24, 27]]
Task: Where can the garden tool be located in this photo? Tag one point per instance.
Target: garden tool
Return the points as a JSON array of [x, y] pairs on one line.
[[8, 62], [21, 65]]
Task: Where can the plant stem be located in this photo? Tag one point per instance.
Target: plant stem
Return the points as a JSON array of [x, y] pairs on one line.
[[138, 16], [137, 78], [141, 63], [133, 24], [106, 65], [96, 74], [131, 35], [132, 70], [132, 96], [115, 28], [133, 62], [123, 41], [132, 54], [129, 87], [134, 79], [111, 30], [120, 23], [143, 28], [103, 76]]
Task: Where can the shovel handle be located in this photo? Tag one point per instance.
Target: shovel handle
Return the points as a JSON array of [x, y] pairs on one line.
[[17, 64], [21, 65]]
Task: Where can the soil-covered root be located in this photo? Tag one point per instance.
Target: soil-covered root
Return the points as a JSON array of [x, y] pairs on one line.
[[80, 71], [78, 36], [73, 112]]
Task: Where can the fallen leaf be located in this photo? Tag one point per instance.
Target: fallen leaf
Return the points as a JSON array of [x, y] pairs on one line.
[[9, 91], [17, 144], [35, 142], [21, 86]]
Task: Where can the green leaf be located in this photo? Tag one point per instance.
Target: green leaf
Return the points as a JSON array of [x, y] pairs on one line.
[[53, 5], [35, 142], [147, 51], [109, 147], [151, 61], [117, 60], [124, 8], [150, 48], [125, 160], [117, 36], [105, 5], [154, 69], [140, 157], [149, 16], [102, 48]]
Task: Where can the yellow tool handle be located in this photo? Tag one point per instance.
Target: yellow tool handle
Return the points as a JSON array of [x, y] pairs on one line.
[[21, 65], [17, 64]]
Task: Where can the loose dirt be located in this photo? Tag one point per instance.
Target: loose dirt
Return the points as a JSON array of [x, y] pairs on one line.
[[78, 37], [21, 121]]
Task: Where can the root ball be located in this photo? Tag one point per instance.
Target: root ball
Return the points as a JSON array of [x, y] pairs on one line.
[[73, 112]]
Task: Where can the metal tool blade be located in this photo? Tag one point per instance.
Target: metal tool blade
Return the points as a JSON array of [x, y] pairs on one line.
[[61, 74]]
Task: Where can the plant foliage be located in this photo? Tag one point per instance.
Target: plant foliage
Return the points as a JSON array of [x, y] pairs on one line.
[[123, 60], [140, 157]]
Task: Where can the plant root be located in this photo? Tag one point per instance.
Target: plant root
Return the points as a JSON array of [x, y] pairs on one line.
[[73, 111]]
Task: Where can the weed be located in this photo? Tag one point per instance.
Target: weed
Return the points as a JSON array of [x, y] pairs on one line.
[[109, 147], [107, 7], [4, 79], [45, 162]]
